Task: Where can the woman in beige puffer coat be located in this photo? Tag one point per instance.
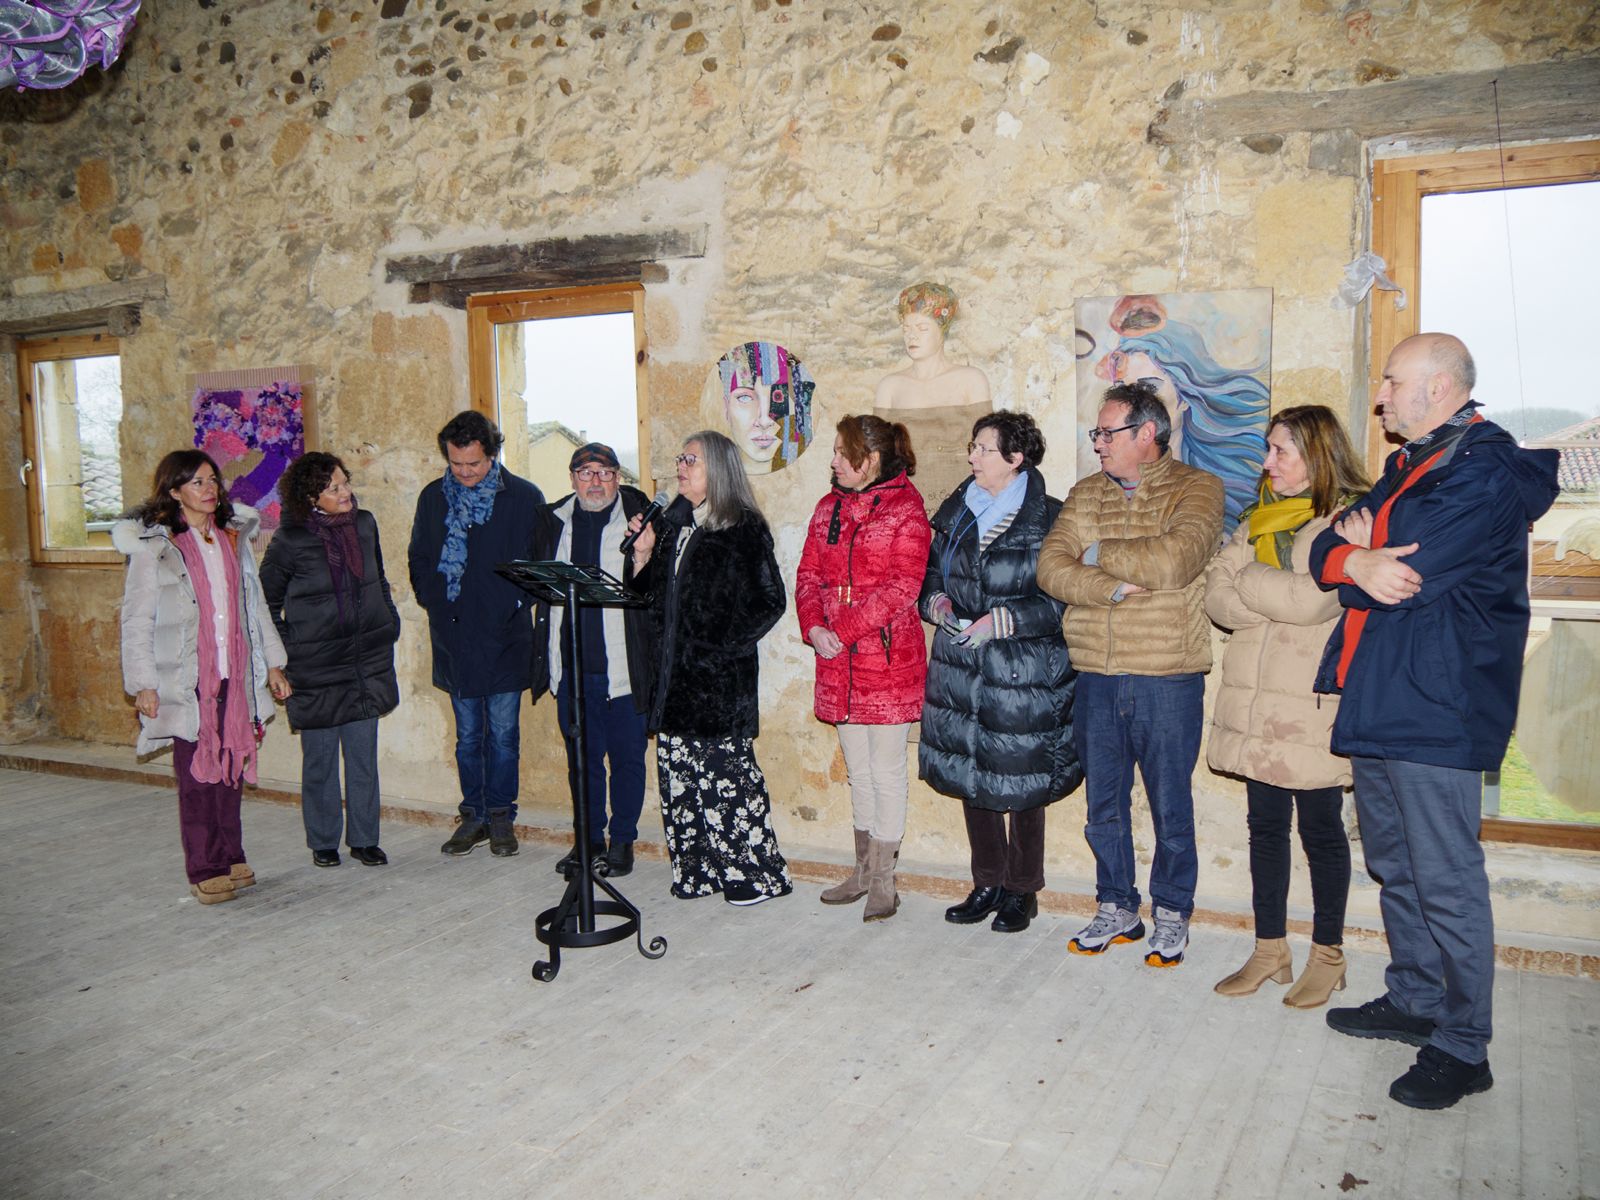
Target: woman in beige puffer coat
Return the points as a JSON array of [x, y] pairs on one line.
[[1268, 726]]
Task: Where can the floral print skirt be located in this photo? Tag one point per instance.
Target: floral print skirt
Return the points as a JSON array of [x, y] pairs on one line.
[[718, 819]]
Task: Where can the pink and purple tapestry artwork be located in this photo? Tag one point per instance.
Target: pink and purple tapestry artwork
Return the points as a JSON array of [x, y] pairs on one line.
[[253, 423]]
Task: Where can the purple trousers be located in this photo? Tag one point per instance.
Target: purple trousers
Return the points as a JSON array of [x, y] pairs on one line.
[[208, 813]]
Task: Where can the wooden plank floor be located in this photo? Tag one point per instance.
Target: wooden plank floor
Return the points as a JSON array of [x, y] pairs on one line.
[[374, 1032]]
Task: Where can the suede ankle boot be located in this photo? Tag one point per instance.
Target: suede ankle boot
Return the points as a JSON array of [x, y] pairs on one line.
[[1324, 975], [882, 899], [1271, 960], [854, 885]]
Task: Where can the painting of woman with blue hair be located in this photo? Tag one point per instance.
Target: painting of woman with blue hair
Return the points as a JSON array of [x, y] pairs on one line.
[[1211, 367]]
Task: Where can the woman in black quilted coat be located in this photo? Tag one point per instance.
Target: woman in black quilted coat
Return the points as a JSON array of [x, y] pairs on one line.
[[715, 591], [997, 721], [329, 598]]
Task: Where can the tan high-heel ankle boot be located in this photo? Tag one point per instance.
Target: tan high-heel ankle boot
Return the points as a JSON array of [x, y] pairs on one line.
[[854, 885], [1271, 960], [1324, 975]]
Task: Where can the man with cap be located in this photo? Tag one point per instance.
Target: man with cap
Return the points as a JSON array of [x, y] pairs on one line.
[[588, 527]]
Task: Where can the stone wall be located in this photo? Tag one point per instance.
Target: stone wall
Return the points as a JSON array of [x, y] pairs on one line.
[[268, 158]]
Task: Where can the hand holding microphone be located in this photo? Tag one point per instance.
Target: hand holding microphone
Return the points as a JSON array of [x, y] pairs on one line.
[[638, 537]]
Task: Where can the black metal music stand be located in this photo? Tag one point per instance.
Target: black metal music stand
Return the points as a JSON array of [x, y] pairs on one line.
[[571, 922]]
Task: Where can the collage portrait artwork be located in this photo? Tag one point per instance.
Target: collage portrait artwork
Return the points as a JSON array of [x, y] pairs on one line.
[[254, 424], [760, 395], [1208, 355]]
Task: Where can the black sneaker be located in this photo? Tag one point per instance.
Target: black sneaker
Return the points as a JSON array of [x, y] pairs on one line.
[[469, 833], [502, 835], [1381, 1019], [1438, 1079]]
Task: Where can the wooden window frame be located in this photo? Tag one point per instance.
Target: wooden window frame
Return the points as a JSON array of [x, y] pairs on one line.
[[1399, 185], [1398, 188], [487, 310], [30, 353]]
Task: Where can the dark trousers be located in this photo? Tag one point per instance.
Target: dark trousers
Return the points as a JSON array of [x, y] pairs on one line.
[[1012, 859], [1419, 832], [613, 731], [1327, 853], [208, 813], [320, 806]]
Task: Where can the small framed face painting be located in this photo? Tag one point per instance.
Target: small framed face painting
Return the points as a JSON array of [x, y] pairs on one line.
[[760, 395]]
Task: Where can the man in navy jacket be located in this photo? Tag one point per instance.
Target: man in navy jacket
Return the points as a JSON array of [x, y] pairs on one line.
[[1432, 570], [486, 651]]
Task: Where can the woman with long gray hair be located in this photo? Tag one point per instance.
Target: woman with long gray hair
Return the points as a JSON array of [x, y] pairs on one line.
[[715, 591]]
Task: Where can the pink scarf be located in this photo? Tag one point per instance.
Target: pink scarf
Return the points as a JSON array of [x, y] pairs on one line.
[[222, 755]]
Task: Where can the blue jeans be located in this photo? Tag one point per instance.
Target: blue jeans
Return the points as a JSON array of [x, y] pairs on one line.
[[1154, 721], [1419, 832], [487, 741], [612, 730]]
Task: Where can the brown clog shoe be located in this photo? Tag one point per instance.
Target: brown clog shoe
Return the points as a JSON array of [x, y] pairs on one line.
[[212, 891]]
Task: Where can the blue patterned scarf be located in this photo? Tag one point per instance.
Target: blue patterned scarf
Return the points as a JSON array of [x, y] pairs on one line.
[[464, 508], [989, 511]]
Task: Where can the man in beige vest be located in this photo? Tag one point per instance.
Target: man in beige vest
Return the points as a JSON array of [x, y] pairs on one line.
[[1128, 555]]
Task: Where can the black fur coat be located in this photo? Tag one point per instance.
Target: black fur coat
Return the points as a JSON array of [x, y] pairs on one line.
[[709, 614]]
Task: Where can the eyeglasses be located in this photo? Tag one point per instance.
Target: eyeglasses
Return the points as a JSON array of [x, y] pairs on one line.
[[687, 460], [980, 448], [1105, 435], [338, 489], [603, 474]]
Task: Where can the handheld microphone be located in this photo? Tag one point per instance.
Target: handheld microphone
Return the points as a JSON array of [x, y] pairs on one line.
[[656, 508]]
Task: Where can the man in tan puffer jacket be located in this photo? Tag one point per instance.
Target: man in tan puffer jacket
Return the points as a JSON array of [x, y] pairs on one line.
[[1128, 555]]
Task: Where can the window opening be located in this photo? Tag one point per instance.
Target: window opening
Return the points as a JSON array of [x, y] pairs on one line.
[[563, 369], [72, 427]]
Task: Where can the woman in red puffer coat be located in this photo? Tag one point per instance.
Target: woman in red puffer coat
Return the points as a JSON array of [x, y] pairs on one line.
[[856, 595]]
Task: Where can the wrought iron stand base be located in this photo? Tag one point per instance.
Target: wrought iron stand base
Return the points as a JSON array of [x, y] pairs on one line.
[[564, 925]]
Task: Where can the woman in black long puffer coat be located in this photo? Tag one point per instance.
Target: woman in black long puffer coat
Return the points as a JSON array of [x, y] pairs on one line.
[[329, 598], [997, 720]]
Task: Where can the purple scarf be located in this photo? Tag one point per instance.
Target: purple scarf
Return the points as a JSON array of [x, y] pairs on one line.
[[343, 548]]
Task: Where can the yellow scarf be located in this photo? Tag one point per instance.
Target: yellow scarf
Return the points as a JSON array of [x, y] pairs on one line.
[[1280, 518]]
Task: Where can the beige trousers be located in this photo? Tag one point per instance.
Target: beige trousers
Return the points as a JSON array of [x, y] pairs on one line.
[[875, 757]]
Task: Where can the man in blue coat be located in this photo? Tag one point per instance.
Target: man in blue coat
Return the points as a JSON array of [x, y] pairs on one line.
[[1432, 570], [485, 649]]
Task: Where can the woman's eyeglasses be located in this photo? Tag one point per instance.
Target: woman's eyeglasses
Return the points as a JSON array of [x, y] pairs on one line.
[[980, 448], [687, 460]]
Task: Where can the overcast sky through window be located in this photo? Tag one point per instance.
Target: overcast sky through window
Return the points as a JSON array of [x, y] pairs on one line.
[[581, 373], [1531, 343]]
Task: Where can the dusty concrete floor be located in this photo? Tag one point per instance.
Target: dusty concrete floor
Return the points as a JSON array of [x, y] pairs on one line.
[[364, 1032]]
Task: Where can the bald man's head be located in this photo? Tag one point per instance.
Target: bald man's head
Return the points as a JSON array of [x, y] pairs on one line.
[[1427, 378], [1447, 353]]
